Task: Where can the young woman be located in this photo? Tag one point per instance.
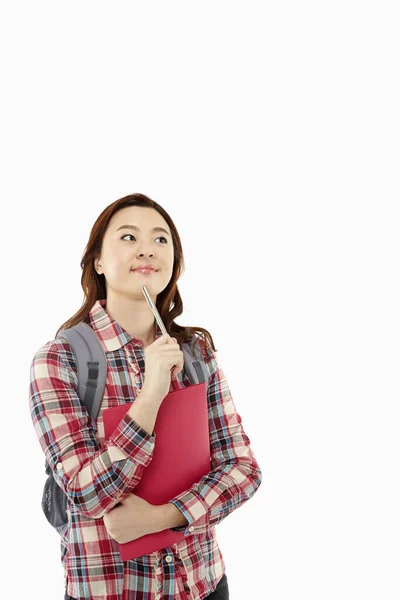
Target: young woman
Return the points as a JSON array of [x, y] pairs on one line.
[[98, 474]]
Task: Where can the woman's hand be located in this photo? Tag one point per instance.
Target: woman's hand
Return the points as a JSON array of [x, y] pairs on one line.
[[163, 360], [134, 518]]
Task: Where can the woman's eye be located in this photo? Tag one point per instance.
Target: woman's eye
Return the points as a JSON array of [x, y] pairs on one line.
[[130, 235]]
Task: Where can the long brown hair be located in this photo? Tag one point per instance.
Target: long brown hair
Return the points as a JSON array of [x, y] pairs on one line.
[[169, 301]]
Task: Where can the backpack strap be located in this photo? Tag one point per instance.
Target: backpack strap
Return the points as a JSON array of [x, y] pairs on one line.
[[92, 364], [195, 369]]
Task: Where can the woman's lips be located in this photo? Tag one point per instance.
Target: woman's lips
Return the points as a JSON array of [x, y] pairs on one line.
[[145, 271]]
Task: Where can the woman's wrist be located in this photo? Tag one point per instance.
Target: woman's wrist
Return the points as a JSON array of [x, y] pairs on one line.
[[168, 516]]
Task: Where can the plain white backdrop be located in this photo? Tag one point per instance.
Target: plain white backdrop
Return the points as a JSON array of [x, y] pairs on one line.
[[270, 133]]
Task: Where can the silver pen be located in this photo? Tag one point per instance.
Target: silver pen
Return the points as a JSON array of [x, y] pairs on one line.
[[174, 382], [154, 309]]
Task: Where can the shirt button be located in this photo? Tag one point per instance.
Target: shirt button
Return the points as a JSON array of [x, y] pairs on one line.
[[59, 465], [168, 558], [191, 528]]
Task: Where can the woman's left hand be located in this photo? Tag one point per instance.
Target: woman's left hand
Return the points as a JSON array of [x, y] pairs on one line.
[[134, 518]]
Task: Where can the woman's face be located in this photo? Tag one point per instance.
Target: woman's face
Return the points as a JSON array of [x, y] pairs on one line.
[[125, 248]]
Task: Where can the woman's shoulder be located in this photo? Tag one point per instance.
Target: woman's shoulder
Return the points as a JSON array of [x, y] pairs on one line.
[[54, 355], [56, 345]]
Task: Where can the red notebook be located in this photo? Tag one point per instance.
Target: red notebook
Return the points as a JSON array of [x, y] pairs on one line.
[[181, 457]]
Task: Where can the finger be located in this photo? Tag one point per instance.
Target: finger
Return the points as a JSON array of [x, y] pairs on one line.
[[163, 339]]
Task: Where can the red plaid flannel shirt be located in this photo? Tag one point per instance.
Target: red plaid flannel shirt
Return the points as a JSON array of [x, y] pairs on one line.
[[95, 473]]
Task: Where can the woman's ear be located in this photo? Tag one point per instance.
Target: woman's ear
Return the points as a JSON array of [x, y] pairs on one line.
[[97, 266]]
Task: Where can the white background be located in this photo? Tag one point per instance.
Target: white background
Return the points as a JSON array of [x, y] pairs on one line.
[[270, 133]]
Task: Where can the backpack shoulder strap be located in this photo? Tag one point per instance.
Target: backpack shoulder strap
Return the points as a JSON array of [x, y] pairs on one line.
[[195, 369], [91, 363]]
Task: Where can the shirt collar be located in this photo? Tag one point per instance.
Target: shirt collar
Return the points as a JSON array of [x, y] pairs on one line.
[[111, 335]]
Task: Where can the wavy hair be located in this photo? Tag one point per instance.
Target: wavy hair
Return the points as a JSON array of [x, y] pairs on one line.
[[169, 301]]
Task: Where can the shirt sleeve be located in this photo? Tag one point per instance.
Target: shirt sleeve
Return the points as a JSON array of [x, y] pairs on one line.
[[235, 474], [93, 478]]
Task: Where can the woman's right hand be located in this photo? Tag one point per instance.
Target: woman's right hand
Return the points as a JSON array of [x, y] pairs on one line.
[[160, 357]]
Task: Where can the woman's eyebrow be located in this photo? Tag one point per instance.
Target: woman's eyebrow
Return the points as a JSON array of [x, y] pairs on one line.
[[135, 228]]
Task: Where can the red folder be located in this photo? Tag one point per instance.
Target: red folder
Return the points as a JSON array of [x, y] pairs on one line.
[[181, 457]]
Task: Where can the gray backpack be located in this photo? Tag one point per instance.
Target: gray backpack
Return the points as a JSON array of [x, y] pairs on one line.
[[92, 369]]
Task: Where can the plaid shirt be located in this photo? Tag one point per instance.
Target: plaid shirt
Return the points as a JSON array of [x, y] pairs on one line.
[[95, 475]]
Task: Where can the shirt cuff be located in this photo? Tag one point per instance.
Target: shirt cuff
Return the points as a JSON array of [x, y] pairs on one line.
[[130, 440], [194, 511]]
